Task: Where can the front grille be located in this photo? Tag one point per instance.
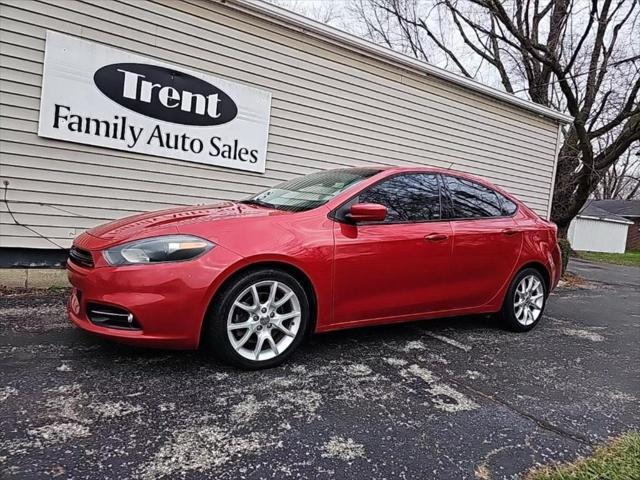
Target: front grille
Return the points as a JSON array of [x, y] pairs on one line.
[[112, 317], [81, 257]]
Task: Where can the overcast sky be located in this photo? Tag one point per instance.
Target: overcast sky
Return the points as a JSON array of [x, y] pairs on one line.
[[339, 14]]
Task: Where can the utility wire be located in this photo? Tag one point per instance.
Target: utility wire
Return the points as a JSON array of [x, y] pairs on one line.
[[61, 209], [6, 202]]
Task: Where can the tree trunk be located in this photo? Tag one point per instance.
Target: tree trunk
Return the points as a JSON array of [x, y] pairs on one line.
[[563, 231]]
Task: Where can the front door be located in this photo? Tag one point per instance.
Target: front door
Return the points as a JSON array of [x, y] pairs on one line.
[[399, 267]]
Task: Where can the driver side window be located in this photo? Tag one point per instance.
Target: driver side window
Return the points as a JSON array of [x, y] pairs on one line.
[[411, 197]]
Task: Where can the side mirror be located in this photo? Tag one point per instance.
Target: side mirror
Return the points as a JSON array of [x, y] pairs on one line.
[[367, 212]]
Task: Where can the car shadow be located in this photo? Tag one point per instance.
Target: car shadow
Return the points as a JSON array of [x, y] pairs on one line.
[[404, 331], [324, 345]]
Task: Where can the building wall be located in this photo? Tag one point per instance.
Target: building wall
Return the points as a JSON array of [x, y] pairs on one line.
[[633, 234], [331, 107], [597, 235]]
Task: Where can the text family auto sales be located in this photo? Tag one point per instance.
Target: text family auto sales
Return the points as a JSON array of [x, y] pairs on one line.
[[121, 128]]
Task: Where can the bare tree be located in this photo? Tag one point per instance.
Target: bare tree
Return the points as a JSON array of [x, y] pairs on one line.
[[578, 56], [622, 180], [322, 11]]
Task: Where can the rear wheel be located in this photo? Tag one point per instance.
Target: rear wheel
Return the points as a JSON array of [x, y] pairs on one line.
[[525, 301], [259, 319]]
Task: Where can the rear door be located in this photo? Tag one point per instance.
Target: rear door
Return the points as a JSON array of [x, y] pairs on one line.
[[487, 240], [398, 267]]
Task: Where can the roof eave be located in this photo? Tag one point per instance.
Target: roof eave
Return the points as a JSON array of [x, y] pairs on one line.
[[605, 219], [343, 39]]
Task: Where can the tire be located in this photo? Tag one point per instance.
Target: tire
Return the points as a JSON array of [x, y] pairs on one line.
[[252, 334], [525, 301]]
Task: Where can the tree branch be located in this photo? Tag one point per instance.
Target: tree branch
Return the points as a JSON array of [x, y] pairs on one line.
[[630, 133]]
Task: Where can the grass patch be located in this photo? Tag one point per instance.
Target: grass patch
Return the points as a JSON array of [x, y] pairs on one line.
[[631, 258], [617, 460]]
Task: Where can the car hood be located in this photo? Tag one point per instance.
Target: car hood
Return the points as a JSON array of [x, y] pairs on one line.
[[174, 220]]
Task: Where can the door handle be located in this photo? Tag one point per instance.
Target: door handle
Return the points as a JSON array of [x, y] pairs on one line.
[[436, 237], [510, 231]]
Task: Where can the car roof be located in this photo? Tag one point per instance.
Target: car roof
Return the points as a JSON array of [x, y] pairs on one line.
[[430, 169], [388, 170], [418, 168], [392, 169]]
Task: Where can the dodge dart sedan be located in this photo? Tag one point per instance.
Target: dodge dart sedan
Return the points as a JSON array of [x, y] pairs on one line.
[[331, 250]]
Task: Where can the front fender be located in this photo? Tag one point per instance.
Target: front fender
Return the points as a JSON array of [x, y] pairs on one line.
[[317, 274]]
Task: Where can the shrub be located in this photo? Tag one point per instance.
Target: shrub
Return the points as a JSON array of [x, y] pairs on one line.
[[565, 250]]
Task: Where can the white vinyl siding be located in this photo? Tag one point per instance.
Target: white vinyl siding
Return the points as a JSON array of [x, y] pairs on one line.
[[590, 235], [331, 107]]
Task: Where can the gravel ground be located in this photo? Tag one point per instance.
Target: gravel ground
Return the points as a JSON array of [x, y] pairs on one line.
[[445, 399]]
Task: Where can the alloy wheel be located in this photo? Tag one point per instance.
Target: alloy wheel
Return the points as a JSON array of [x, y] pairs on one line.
[[528, 300], [264, 320]]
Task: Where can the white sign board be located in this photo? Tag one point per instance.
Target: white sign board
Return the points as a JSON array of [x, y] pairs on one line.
[[102, 96]]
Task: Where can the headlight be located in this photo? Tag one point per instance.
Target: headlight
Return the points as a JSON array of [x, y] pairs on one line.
[[172, 248]]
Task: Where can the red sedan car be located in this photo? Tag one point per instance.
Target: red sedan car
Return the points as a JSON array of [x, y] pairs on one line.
[[331, 250]]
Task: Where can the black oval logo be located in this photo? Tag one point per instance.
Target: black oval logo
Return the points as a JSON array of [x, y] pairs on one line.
[[165, 94]]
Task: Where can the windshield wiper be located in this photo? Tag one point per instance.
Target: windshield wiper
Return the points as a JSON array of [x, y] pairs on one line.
[[253, 201]]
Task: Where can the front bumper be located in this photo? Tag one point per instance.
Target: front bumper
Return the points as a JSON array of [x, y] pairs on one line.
[[168, 301]]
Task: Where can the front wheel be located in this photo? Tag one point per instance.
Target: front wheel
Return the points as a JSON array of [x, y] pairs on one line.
[[258, 320], [525, 301]]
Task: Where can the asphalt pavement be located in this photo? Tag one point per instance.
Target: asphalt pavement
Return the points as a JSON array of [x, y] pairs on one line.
[[441, 399]]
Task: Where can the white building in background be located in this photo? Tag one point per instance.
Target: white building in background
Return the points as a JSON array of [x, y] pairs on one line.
[[596, 230], [113, 107]]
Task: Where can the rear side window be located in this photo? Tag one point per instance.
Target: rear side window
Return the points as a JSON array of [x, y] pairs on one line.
[[472, 200], [413, 197], [508, 207]]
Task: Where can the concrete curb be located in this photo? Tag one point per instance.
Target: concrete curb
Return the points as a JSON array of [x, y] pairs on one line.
[[33, 277]]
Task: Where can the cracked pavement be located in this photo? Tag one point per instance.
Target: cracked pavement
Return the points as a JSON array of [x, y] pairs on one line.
[[446, 399]]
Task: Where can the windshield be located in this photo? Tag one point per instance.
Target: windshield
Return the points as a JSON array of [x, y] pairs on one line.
[[310, 191]]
